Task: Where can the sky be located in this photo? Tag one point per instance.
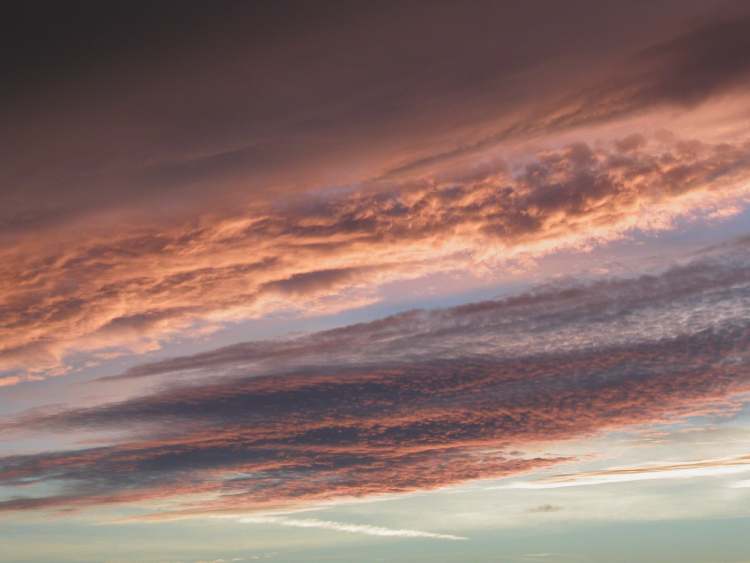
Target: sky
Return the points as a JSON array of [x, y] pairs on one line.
[[395, 281]]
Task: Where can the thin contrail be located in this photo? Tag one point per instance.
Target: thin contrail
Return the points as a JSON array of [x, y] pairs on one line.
[[344, 527]]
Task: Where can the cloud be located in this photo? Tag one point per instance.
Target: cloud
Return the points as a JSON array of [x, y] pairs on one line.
[[346, 115], [544, 508], [123, 225], [412, 402], [682, 72], [349, 528], [131, 291], [701, 295], [677, 470]]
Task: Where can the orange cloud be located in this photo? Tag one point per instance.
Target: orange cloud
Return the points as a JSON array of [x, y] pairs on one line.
[[132, 290]]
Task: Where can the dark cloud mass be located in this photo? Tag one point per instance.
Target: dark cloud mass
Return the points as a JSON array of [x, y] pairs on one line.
[[414, 407], [155, 111]]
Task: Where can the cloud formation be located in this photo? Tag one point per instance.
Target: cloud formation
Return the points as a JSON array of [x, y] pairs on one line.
[[430, 399], [130, 292], [137, 237], [349, 528], [211, 109], [177, 178], [702, 295], [676, 470]]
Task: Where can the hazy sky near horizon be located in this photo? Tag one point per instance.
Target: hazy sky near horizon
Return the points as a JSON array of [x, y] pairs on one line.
[[396, 281]]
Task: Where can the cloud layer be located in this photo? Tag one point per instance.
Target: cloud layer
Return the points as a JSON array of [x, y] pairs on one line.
[[130, 292], [428, 400], [348, 171], [349, 528], [222, 104]]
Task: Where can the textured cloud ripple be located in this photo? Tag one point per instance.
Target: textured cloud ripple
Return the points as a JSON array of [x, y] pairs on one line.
[[416, 401], [133, 291]]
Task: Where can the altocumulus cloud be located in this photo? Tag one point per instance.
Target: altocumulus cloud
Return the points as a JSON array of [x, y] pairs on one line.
[[131, 291], [411, 402]]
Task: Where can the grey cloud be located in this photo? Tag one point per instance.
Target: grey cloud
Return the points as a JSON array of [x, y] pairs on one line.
[[163, 129], [544, 508]]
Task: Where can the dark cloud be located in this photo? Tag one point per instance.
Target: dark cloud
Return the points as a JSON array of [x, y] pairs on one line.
[[699, 63], [310, 282], [685, 71], [158, 153], [544, 508], [156, 112]]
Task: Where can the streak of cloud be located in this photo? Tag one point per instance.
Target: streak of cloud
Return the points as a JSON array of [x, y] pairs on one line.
[[141, 149], [349, 528], [677, 470]]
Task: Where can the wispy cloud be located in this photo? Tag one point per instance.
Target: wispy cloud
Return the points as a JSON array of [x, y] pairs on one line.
[[349, 528], [677, 470]]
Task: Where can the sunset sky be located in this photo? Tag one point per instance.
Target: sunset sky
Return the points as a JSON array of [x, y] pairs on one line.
[[420, 281]]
